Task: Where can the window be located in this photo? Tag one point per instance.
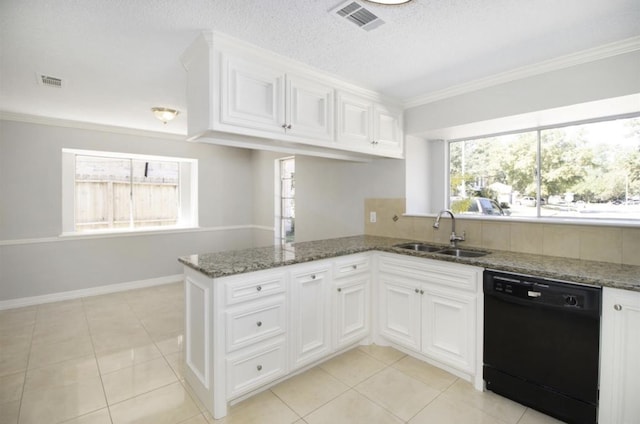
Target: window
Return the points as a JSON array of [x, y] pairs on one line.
[[104, 191], [583, 170], [285, 208]]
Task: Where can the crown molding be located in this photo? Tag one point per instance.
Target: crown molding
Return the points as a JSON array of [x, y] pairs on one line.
[[585, 56], [66, 123]]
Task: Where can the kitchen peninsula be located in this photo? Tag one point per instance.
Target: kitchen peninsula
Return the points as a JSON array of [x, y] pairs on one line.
[[257, 316]]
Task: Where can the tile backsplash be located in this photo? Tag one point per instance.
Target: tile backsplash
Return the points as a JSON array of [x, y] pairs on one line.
[[590, 242]]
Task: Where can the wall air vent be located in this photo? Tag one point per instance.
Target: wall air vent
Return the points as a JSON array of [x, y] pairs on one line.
[[49, 81], [355, 13]]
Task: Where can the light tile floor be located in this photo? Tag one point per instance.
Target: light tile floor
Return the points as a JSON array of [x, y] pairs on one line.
[[118, 358]]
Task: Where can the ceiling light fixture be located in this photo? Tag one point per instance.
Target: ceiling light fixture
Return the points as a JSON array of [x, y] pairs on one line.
[[164, 114], [389, 2]]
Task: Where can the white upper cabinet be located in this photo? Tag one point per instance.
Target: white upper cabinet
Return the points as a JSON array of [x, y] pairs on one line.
[[310, 108], [243, 96], [368, 126], [262, 97], [252, 94]]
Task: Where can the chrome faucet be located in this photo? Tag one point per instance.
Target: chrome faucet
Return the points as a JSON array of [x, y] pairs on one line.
[[454, 239]]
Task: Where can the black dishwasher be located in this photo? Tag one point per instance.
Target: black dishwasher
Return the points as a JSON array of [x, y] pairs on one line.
[[541, 344]]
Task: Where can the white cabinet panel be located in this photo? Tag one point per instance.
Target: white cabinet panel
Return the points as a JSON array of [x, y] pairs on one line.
[[368, 126], [448, 328], [252, 94], [197, 326], [310, 108], [352, 310], [399, 312], [620, 351], [354, 120], [311, 336], [387, 128]]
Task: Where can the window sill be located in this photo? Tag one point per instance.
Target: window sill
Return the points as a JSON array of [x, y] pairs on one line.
[[536, 220], [128, 232]]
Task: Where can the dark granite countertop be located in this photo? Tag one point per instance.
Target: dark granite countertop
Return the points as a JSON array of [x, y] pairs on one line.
[[228, 263]]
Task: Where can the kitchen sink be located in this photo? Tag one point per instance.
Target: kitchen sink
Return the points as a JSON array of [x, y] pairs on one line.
[[449, 251], [461, 253], [419, 247]]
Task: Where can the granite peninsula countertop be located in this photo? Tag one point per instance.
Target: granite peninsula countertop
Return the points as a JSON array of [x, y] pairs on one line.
[[603, 274]]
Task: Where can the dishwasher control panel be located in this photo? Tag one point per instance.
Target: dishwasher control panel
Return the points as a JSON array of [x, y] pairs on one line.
[[541, 291]]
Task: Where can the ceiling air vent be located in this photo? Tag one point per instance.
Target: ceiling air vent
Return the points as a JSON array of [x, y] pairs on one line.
[[49, 81], [358, 14]]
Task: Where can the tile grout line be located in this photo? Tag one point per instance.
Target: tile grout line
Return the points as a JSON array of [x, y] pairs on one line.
[[26, 370], [95, 357]]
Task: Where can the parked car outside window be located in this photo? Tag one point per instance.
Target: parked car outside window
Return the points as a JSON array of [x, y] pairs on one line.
[[478, 205]]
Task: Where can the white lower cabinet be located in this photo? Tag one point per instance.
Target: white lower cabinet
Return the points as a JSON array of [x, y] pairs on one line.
[[249, 331], [431, 308], [352, 299], [255, 367], [619, 357], [399, 310], [310, 318], [448, 327]]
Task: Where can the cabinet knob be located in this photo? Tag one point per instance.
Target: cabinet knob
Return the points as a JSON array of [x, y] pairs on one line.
[[617, 307], [417, 291], [259, 367], [259, 288], [313, 276], [421, 291], [259, 323], [289, 126], [354, 266], [339, 289], [374, 142], [284, 126]]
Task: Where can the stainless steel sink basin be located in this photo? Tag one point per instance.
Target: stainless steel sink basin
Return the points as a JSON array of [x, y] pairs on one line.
[[419, 247], [461, 253]]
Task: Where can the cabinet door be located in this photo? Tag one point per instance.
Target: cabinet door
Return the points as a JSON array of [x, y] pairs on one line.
[[252, 94], [399, 312], [354, 121], [311, 316], [387, 128], [448, 330], [352, 310], [309, 108], [620, 350]]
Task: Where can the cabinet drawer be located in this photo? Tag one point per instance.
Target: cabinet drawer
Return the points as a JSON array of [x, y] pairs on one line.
[[254, 323], [242, 288], [351, 265], [249, 371]]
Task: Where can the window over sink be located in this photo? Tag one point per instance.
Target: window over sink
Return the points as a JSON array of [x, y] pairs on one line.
[[577, 170], [115, 192]]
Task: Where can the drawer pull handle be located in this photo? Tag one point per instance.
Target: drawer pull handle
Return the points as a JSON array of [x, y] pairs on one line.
[[339, 289], [259, 367], [259, 323], [617, 307], [259, 288]]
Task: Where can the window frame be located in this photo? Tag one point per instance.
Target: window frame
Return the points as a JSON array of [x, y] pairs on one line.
[[188, 192], [538, 218]]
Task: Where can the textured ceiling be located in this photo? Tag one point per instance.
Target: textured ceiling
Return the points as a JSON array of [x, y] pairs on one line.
[[118, 58]]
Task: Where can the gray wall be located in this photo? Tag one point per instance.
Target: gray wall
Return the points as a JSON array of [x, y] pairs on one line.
[[330, 194], [34, 261], [602, 79]]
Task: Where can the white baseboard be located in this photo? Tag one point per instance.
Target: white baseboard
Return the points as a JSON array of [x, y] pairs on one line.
[[93, 291]]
